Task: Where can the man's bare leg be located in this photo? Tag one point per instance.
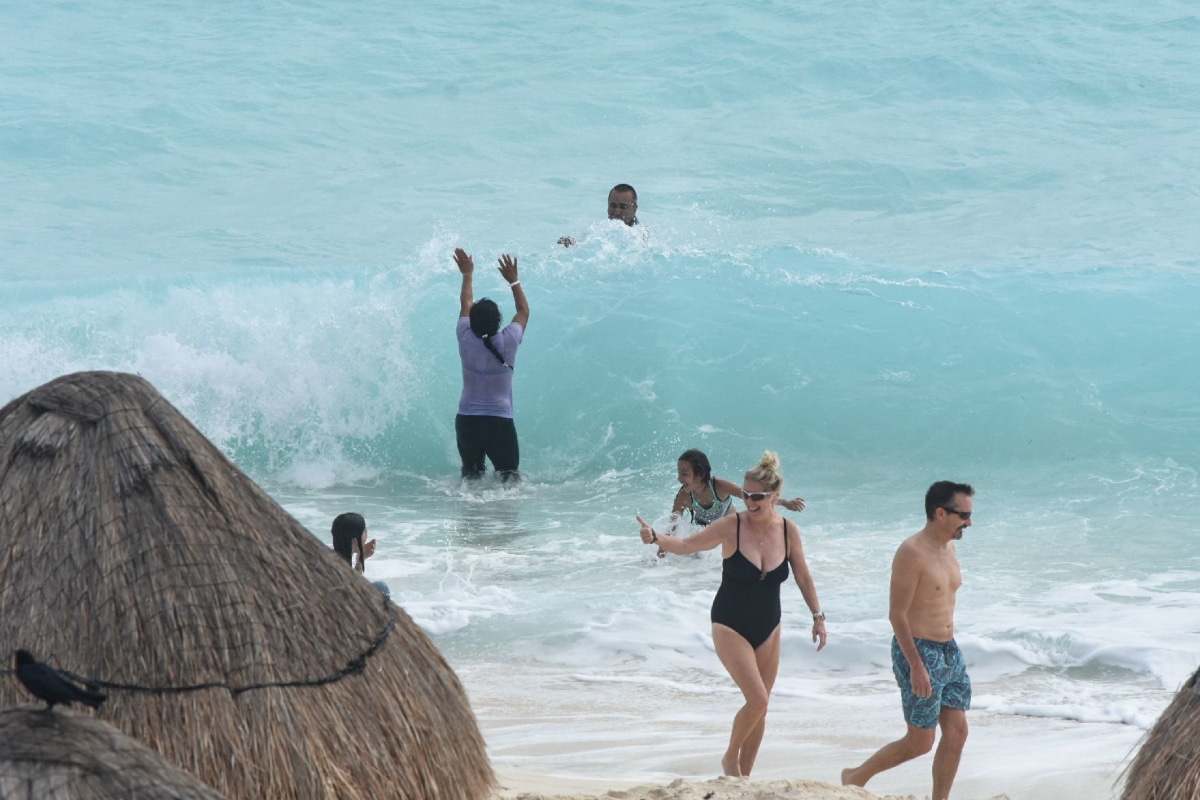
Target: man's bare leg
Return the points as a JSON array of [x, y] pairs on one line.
[[949, 751], [916, 742]]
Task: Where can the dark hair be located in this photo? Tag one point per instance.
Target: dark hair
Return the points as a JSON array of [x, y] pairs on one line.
[[347, 529], [485, 322], [699, 463], [941, 494], [624, 187]]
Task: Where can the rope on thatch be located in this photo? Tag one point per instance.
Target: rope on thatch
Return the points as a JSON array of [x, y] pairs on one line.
[[1167, 766], [356, 666]]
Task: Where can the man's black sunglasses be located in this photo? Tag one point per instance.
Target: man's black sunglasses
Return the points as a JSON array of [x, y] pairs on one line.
[[963, 514]]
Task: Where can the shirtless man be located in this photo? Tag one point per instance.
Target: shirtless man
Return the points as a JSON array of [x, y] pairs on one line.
[[929, 667], [622, 205]]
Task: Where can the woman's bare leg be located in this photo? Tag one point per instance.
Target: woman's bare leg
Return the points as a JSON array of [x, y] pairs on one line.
[[741, 662], [767, 657]]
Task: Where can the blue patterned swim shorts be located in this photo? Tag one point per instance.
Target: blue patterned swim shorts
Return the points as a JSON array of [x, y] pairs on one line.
[[948, 674]]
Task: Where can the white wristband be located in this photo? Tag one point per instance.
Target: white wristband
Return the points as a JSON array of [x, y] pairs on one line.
[[516, 283]]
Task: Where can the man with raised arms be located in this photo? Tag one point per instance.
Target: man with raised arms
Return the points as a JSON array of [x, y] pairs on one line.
[[930, 670]]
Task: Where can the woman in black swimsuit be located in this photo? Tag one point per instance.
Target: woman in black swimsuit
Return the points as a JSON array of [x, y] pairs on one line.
[[758, 547]]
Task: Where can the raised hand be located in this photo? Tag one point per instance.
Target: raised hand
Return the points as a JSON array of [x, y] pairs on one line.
[[795, 504], [466, 264], [508, 268]]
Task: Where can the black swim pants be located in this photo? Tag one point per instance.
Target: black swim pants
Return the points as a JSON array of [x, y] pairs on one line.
[[492, 437]]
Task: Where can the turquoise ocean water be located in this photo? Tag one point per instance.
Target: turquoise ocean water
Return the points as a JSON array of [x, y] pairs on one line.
[[895, 243]]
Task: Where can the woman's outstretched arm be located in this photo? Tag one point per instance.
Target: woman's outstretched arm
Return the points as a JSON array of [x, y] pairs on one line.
[[703, 539]]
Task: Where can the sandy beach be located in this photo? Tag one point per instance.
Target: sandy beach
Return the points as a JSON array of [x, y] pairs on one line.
[[665, 747], [721, 788]]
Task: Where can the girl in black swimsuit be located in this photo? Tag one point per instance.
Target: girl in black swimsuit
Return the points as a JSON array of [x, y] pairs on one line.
[[758, 546]]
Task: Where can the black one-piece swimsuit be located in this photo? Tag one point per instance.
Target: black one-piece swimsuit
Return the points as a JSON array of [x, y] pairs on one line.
[[748, 600]]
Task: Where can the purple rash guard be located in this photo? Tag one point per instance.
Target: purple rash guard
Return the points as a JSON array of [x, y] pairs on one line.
[[487, 384]]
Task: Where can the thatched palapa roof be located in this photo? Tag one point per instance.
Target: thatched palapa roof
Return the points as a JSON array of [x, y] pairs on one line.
[[66, 756], [1167, 765], [133, 553]]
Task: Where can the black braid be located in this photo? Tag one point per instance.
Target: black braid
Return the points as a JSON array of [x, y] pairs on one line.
[[487, 342]]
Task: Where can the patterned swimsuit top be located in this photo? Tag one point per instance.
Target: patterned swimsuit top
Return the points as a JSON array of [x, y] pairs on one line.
[[718, 509]]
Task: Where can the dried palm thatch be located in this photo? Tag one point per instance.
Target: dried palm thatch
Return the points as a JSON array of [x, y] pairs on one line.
[[65, 756], [135, 555], [1167, 766]]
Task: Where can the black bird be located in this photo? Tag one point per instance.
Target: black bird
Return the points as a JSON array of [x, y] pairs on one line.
[[46, 683]]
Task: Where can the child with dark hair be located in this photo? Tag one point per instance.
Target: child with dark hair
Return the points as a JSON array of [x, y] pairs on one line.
[[708, 498], [484, 425], [348, 531], [349, 540]]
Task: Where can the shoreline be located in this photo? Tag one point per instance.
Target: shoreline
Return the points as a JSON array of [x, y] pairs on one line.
[[547, 738]]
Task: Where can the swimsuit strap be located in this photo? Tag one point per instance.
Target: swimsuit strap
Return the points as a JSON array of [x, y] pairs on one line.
[[716, 501], [785, 539], [739, 533]]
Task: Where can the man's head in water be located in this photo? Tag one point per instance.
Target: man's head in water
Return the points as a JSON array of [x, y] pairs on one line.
[[622, 203]]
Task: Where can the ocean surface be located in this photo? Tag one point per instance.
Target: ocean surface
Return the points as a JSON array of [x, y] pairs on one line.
[[895, 243]]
